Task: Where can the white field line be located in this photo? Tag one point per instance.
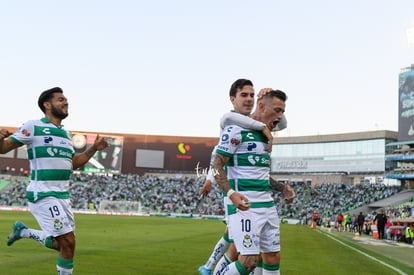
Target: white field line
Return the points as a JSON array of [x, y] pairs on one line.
[[365, 254]]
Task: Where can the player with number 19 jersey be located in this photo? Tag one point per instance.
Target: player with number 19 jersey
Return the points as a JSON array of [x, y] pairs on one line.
[[50, 153]]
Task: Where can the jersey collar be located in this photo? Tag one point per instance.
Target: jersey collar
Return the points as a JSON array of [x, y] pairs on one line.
[[46, 120]]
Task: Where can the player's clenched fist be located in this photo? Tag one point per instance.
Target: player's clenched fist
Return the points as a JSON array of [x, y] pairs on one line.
[[4, 133]]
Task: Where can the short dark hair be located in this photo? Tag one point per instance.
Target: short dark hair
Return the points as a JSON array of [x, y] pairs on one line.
[[239, 84], [276, 93], [46, 95]]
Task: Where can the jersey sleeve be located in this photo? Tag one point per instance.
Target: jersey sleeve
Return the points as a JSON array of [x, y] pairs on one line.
[[230, 139], [24, 135], [232, 118]]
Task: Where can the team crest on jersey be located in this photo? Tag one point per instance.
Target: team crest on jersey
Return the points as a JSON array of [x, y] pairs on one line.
[[234, 141], [58, 225], [247, 241]]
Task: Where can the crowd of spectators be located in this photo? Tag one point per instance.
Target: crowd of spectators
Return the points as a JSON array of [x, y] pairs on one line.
[[15, 193], [160, 194], [179, 194], [329, 199]]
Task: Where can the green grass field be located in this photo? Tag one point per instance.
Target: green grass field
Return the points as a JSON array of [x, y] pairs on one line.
[[156, 245]]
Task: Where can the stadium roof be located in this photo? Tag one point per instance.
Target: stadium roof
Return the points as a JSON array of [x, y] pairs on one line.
[[380, 134]]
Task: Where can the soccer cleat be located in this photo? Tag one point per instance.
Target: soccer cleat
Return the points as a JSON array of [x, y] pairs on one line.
[[15, 234], [202, 270]]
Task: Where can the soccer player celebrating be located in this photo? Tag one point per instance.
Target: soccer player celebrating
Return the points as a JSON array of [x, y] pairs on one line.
[[241, 119], [52, 158], [252, 216]]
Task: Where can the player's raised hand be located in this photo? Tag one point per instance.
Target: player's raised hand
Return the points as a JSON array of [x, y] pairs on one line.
[[100, 143], [263, 92], [205, 189], [289, 194], [4, 133]]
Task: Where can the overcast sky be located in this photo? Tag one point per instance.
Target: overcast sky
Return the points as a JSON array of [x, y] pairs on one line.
[[165, 67]]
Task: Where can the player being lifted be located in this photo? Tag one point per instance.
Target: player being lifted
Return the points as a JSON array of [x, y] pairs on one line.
[[244, 121]]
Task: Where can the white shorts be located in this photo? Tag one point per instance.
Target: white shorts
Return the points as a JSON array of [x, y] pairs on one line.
[[255, 230], [54, 216]]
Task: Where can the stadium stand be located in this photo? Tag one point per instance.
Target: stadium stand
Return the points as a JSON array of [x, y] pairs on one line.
[[171, 193]]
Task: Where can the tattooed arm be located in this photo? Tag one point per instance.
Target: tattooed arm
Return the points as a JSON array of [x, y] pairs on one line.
[[287, 190], [238, 199]]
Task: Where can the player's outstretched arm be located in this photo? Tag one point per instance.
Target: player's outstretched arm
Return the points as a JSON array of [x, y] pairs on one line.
[[6, 144], [82, 158], [232, 118]]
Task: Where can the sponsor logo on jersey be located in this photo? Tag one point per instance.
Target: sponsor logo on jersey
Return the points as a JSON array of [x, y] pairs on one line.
[[253, 159], [225, 137], [250, 135], [251, 146], [54, 151], [46, 131], [65, 154], [223, 148], [257, 160], [51, 151], [47, 139]]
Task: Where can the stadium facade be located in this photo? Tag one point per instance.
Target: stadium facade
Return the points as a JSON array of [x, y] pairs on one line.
[[339, 158], [130, 154], [352, 157], [374, 157]]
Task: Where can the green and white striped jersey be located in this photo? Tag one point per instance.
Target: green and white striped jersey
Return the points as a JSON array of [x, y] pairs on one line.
[[249, 165], [50, 152]]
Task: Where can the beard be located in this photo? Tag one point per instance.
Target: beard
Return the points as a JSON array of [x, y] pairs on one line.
[[57, 113]]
